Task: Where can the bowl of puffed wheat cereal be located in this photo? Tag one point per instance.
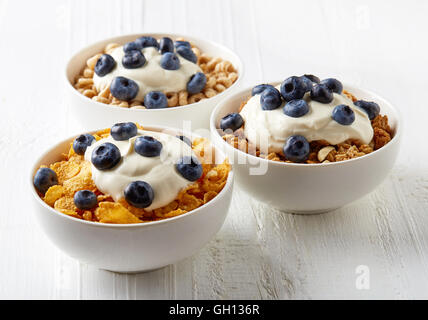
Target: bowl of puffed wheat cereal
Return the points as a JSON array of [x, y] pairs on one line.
[[162, 79], [132, 198], [305, 145]]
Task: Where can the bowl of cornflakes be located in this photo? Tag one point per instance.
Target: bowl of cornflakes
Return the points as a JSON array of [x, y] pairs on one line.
[[301, 155], [162, 79], [131, 198]]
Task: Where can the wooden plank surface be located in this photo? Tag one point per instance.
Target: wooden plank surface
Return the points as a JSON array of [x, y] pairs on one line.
[[260, 252]]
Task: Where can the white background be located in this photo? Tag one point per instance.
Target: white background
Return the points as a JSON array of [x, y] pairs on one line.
[[260, 252]]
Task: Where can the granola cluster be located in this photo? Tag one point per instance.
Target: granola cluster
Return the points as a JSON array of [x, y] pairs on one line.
[[74, 174], [220, 74], [321, 151]]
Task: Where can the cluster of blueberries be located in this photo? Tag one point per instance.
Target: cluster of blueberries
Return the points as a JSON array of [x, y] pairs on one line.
[[292, 91], [107, 155], [126, 89]]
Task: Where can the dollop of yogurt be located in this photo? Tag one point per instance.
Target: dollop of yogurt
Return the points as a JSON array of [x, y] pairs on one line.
[[269, 129], [151, 76], [159, 172]]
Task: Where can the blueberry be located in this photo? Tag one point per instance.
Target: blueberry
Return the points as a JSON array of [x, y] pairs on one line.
[[85, 199], [190, 168], [133, 59], [311, 77], [166, 45], [296, 108], [170, 61], [123, 131], [185, 140], [260, 88], [130, 46], [147, 146], [44, 179], [104, 65], [343, 114], [270, 99], [321, 93], [308, 82], [82, 142], [105, 156], [183, 43], [145, 42], [333, 84], [123, 88], [187, 53], [139, 194], [232, 121], [196, 83], [371, 108], [293, 88], [296, 148], [155, 100]]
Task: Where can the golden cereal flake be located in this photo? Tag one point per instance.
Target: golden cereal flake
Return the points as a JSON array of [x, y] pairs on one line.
[[87, 215], [71, 213], [110, 212], [65, 170], [174, 213], [189, 202], [53, 194], [104, 197], [209, 196], [65, 203], [161, 212], [61, 196], [82, 181]]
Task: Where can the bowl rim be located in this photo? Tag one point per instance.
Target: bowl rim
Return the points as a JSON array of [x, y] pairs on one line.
[[239, 67], [247, 91], [218, 197]]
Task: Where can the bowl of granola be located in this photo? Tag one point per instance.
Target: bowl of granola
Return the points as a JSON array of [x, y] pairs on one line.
[[307, 146], [162, 79], [131, 199]]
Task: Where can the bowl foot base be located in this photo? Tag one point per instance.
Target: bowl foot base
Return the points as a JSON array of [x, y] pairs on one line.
[[134, 272], [307, 212]]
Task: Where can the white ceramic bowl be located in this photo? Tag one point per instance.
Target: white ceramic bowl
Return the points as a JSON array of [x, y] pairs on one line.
[[131, 247], [92, 114], [310, 188]]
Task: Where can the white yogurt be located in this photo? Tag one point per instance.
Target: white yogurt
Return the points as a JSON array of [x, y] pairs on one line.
[[151, 76], [159, 172], [269, 129]]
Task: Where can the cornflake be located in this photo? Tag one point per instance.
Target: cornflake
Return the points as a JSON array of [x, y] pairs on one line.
[[74, 174]]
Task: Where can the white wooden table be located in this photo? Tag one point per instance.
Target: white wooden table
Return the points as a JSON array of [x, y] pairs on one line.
[[260, 252]]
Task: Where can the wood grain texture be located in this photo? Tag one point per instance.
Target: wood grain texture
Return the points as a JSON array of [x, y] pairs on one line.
[[260, 253]]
